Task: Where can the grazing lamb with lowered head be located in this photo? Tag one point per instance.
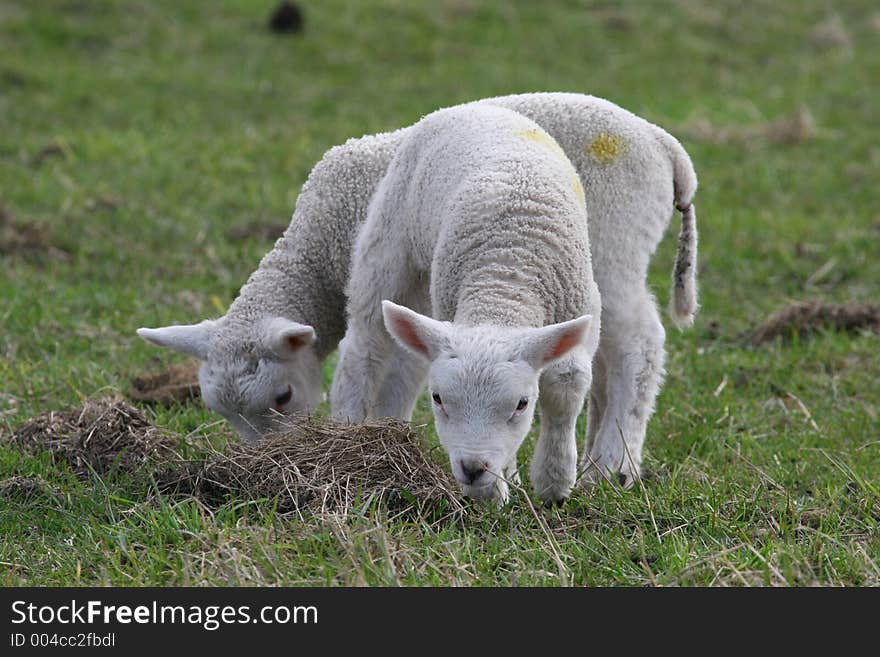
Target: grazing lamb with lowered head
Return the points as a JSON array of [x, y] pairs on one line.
[[262, 359], [634, 172], [481, 218]]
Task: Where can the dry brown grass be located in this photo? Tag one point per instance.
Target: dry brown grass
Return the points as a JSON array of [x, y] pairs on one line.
[[101, 435], [806, 317], [28, 239], [319, 466], [313, 467], [22, 488], [794, 129], [831, 34], [177, 384]]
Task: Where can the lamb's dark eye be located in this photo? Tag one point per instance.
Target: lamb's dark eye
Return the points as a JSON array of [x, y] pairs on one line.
[[437, 399], [283, 400], [522, 404]]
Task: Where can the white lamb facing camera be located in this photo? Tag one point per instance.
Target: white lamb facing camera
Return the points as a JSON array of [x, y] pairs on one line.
[[481, 221]]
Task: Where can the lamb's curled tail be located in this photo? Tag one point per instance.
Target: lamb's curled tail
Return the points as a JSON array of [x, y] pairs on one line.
[[684, 277]]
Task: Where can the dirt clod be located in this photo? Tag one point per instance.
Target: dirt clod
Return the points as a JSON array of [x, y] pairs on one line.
[[806, 317], [57, 148], [178, 384], [29, 239], [619, 21], [287, 17], [101, 435]]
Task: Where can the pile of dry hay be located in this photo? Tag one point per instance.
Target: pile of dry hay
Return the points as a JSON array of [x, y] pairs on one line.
[[313, 467], [176, 385], [101, 435], [323, 466], [805, 317]]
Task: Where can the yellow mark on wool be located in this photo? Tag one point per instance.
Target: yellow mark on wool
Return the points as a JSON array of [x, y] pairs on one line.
[[606, 148], [541, 137], [578, 188]]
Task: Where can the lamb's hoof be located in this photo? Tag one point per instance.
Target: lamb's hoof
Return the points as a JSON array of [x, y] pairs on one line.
[[590, 478], [595, 475], [553, 495]]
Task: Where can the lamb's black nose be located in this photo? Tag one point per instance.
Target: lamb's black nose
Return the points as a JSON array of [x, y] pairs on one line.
[[472, 471]]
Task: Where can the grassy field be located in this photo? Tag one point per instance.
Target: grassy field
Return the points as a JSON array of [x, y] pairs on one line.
[[137, 135]]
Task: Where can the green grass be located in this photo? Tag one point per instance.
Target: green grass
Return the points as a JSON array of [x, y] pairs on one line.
[[175, 122]]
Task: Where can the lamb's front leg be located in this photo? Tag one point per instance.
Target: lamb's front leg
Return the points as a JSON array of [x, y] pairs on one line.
[[378, 271], [404, 380], [632, 350], [363, 359], [563, 388], [598, 400]]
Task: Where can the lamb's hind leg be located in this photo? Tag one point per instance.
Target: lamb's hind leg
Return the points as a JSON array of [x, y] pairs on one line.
[[563, 388], [632, 349]]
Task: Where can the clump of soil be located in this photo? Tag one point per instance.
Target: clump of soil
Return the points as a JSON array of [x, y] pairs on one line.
[[790, 129], [806, 317], [287, 17], [57, 148], [831, 34], [101, 435], [23, 488], [619, 21], [27, 238], [265, 232], [179, 384], [322, 466]]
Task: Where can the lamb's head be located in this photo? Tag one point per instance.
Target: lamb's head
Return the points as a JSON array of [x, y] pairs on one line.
[[253, 375], [483, 381]]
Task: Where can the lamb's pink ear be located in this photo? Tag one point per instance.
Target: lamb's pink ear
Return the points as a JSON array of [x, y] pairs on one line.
[[285, 337], [192, 339], [548, 344], [422, 335]]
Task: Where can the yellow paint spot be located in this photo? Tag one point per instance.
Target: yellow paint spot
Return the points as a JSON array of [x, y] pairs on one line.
[[578, 188], [606, 148], [542, 138]]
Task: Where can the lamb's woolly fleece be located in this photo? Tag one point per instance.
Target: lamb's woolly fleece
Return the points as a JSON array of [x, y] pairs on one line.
[[487, 202], [303, 277], [632, 171]]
